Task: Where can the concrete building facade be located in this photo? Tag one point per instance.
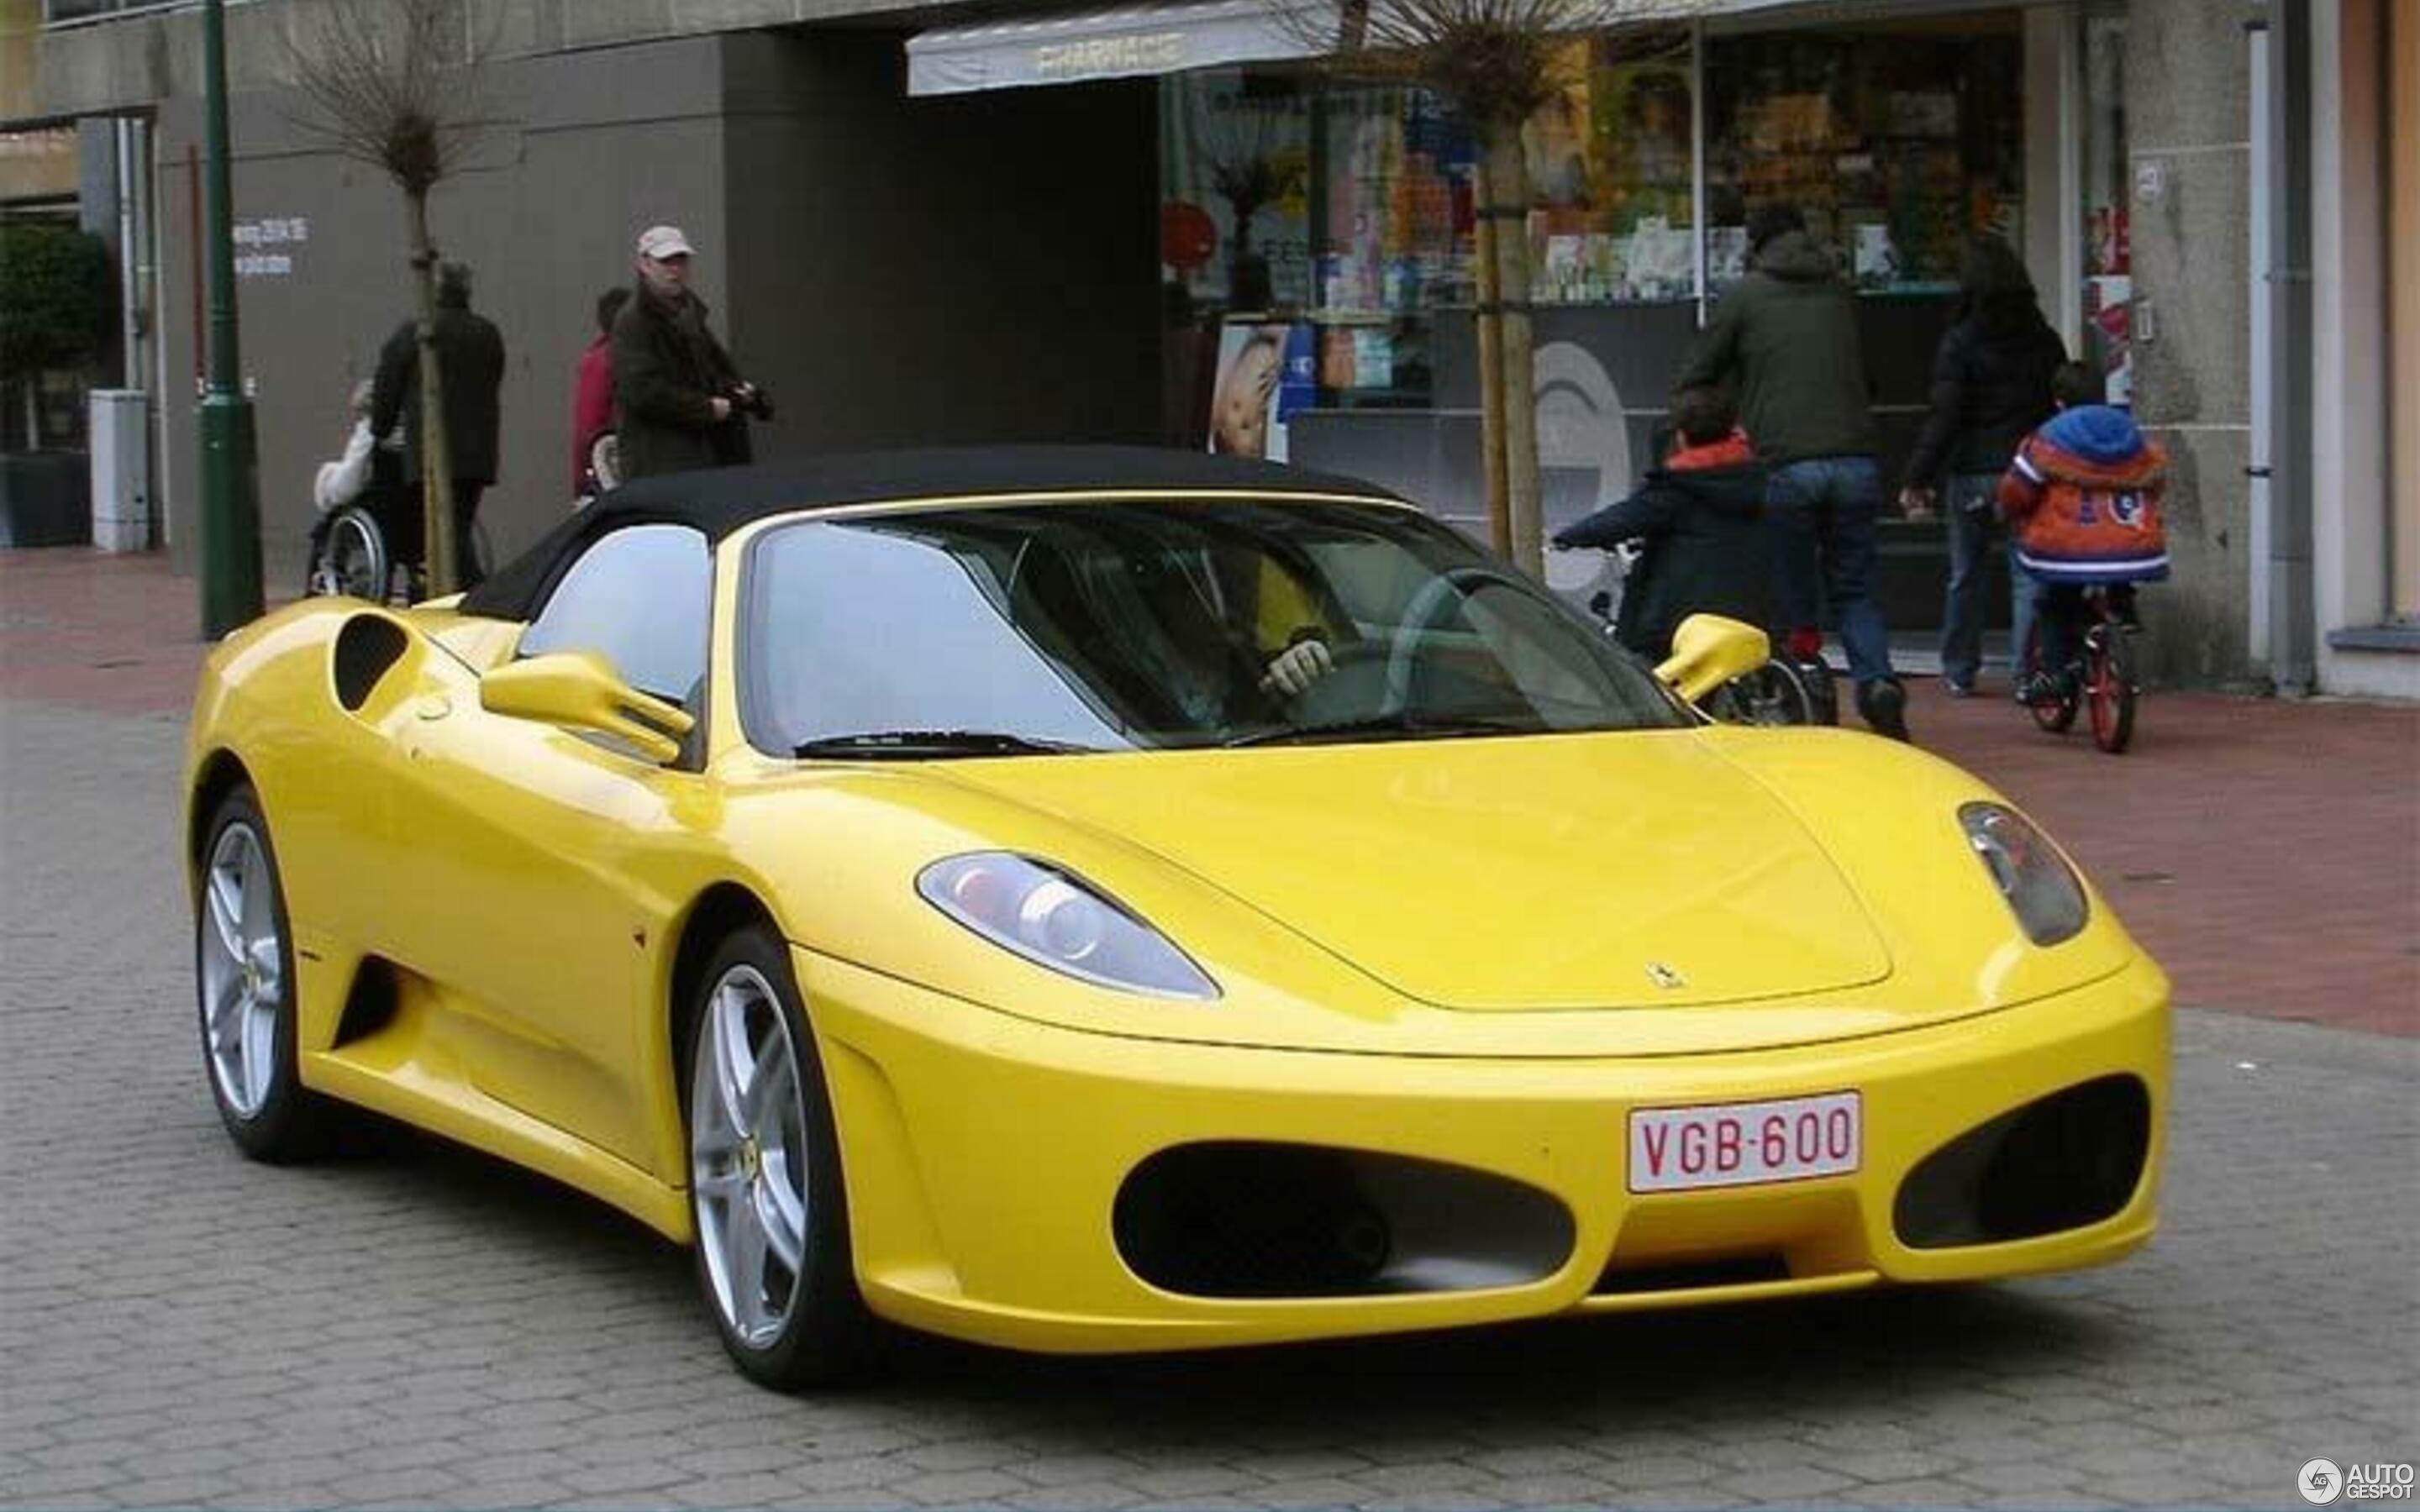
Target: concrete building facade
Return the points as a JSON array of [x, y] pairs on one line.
[[988, 265]]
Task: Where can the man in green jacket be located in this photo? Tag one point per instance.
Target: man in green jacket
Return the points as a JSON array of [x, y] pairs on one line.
[[1785, 340]]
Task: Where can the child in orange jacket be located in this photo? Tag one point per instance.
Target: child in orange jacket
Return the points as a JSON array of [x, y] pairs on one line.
[[2084, 505]]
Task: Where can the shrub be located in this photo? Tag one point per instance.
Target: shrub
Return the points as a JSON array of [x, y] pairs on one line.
[[58, 296]]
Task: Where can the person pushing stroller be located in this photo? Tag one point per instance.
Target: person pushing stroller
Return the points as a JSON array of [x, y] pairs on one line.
[[369, 473], [1700, 518]]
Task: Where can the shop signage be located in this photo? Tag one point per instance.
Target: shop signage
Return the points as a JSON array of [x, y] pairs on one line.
[[1129, 42], [1095, 57]]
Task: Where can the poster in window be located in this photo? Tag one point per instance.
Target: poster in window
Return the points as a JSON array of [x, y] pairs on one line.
[[1265, 374], [1644, 135]]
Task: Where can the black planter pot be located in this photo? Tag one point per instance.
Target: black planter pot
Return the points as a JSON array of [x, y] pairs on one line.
[[45, 499]]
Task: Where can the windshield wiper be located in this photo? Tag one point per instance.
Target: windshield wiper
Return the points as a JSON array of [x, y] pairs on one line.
[[1405, 723], [880, 744]]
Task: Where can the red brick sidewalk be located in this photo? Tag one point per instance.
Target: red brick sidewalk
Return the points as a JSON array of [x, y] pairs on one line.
[[2267, 852], [116, 634]]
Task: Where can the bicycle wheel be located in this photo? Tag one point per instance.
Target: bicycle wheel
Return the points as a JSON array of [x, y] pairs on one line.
[[355, 562], [1772, 694], [2109, 685], [2053, 715]]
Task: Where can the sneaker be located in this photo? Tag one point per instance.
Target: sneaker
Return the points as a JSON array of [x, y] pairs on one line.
[[1882, 703], [1957, 690]]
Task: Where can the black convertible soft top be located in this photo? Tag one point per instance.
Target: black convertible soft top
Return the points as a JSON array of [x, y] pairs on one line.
[[721, 501]]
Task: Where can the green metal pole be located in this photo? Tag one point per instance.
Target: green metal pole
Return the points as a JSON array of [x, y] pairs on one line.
[[230, 482]]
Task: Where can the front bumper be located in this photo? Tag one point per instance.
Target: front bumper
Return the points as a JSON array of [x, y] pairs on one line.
[[985, 1156]]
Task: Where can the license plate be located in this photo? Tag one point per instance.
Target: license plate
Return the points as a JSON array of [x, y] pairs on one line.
[[1745, 1144]]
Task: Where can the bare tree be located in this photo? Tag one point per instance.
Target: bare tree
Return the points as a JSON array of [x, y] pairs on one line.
[[1496, 63], [396, 84]]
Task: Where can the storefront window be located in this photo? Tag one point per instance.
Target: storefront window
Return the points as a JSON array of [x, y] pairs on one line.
[[1319, 238], [1234, 187], [1398, 241], [1609, 160], [2108, 257], [1350, 210], [1897, 144]]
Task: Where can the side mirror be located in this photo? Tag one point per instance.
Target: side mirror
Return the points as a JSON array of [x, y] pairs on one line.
[[580, 689], [1708, 651]]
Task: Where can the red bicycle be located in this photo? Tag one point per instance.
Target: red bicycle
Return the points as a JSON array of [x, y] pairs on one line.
[[2102, 677]]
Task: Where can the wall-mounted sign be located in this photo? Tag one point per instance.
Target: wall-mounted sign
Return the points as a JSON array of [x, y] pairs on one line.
[[254, 241]]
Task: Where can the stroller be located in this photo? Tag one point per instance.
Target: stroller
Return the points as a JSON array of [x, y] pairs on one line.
[[1794, 687]]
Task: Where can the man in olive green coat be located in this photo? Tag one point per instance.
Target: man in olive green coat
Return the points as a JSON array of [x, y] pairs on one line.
[[1785, 340]]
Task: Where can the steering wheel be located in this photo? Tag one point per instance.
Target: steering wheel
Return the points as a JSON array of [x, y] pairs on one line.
[[1451, 588]]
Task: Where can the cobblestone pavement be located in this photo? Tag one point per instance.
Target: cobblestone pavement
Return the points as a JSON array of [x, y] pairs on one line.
[[411, 1325]]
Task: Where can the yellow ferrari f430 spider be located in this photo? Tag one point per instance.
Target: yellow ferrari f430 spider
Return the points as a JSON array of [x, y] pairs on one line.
[[1100, 900]]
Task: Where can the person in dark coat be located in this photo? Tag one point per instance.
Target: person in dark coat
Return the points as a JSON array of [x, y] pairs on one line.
[[1991, 386], [1785, 340], [470, 367], [1700, 518], [679, 402]]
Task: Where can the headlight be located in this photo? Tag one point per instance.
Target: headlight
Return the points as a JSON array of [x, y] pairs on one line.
[[2042, 888], [1055, 920]]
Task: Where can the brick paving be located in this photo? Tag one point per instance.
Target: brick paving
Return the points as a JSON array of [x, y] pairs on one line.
[[2267, 852], [411, 1325]]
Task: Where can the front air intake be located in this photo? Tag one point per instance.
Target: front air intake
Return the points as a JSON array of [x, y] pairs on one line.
[[1237, 1219], [2062, 1162]]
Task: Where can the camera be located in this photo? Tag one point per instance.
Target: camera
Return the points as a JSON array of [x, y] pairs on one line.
[[748, 399]]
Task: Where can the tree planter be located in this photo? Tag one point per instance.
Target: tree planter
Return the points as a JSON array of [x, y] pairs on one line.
[[45, 499]]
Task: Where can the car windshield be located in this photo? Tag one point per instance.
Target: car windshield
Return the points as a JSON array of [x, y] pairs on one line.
[[1056, 629]]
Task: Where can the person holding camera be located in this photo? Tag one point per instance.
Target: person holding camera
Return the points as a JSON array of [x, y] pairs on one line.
[[679, 402]]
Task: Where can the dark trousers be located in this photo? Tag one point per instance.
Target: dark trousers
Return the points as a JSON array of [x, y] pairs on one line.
[[1820, 516], [403, 522], [468, 568], [1972, 530]]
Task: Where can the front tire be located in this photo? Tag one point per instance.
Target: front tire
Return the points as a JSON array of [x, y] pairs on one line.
[[244, 967], [772, 1251]]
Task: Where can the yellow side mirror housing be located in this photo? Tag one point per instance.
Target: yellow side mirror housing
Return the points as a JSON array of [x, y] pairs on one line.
[[1708, 651], [580, 689]]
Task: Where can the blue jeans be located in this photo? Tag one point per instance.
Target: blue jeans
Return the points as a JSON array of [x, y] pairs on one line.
[[1970, 516], [1820, 516]]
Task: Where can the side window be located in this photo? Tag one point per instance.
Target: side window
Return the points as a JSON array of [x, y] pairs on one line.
[[640, 598]]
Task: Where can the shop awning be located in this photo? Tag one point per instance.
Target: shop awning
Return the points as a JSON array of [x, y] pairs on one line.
[[1127, 43]]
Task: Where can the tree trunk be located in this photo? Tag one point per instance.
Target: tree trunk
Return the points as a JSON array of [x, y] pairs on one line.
[[436, 465], [1491, 367], [1509, 180]]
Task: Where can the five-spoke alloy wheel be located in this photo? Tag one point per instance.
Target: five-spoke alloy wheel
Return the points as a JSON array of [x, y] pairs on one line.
[[765, 1181], [243, 963]]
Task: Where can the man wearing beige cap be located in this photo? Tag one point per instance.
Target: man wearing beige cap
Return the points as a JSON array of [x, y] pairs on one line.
[[679, 402]]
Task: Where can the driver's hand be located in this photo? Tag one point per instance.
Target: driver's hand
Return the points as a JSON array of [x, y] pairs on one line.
[[1298, 667]]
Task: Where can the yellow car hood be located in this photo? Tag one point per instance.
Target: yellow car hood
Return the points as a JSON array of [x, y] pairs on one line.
[[1579, 871]]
